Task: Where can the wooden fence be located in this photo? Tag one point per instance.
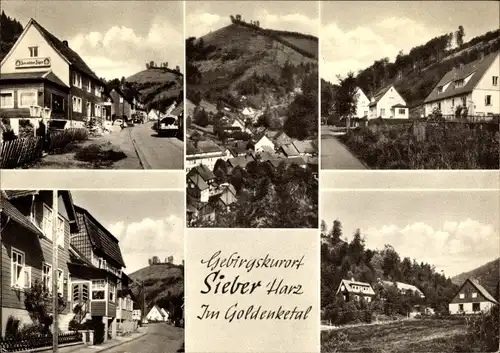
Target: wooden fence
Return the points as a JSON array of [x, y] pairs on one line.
[[17, 344], [18, 152]]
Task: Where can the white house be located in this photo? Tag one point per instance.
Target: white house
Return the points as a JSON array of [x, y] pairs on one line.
[[471, 298], [165, 314], [388, 104], [153, 115], [262, 143], [474, 86], [205, 152], [362, 104], [404, 288], [155, 314]]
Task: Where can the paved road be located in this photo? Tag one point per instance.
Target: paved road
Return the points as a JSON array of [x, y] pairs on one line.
[[334, 155], [157, 152], [160, 338]]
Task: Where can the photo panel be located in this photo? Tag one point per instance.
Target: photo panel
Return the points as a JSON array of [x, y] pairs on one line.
[[117, 269], [399, 91], [410, 270], [92, 85], [252, 114]]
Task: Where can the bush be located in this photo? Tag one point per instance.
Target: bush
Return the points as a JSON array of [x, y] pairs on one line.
[[60, 139], [12, 327], [99, 153]]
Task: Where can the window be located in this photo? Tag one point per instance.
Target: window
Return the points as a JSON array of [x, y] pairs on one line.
[[487, 100], [97, 110], [33, 52], [89, 86], [47, 277], [382, 112], [462, 296], [88, 109], [56, 103], [77, 80], [464, 101], [121, 99], [494, 80], [460, 307], [439, 105], [476, 307], [27, 98], [77, 104], [98, 289], [6, 99], [474, 295], [20, 273], [402, 111], [459, 83], [111, 289], [47, 226], [453, 102], [97, 91], [440, 89], [60, 281]]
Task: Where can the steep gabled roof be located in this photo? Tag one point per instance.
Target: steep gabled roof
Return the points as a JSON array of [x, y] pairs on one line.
[[378, 96], [476, 68], [482, 290], [289, 150], [197, 180], [101, 239], [69, 54], [203, 171], [356, 287], [9, 210]]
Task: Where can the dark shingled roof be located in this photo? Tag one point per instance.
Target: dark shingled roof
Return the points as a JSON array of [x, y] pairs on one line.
[[75, 60], [203, 171], [16, 216], [379, 95], [476, 68], [101, 239], [33, 76]]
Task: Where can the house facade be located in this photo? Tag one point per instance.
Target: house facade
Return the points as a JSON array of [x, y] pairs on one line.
[[362, 104], [126, 322], [388, 104], [41, 70], [351, 290], [27, 244], [97, 278], [471, 298], [474, 86], [205, 153], [155, 314]]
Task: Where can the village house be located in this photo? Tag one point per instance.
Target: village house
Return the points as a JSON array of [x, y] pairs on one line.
[[125, 309], [474, 87], [352, 290], [362, 104], [155, 314], [261, 143], [280, 139], [289, 150], [200, 183], [404, 288], [239, 149], [204, 152], [43, 73], [471, 298], [95, 282], [27, 243], [388, 104], [123, 106], [305, 148]]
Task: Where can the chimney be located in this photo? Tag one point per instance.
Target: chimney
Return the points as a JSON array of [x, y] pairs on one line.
[[65, 42]]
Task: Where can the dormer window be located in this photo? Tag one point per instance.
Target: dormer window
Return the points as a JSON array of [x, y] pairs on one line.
[[459, 83], [33, 52], [77, 80], [440, 89]]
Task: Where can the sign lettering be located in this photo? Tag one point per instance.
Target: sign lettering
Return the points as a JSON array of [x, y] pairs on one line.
[[32, 62]]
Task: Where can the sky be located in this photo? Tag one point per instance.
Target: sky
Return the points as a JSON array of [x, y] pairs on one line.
[[356, 33], [115, 38], [146, 223], [456, 231], [298, 16]]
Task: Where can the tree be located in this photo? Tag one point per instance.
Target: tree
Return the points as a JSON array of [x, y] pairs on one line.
[[345, 100], [238, 18], [122, 81], [336, 232], [460, 34], [201, 117], [151, 64], [147, 65], [38, 303]]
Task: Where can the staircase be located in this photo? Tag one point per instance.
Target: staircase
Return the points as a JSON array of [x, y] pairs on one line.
[[83, 314]]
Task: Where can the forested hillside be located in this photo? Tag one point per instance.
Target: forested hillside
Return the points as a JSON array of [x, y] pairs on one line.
[[10, 30], [416, 73], [351, 259]]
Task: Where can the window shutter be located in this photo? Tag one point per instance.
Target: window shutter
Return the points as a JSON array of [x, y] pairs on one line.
[[27, 277]]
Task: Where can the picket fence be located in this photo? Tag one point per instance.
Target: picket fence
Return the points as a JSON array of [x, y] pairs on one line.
[[17, 344]]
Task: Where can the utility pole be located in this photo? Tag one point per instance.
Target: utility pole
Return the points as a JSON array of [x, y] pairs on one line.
[[55, 271]]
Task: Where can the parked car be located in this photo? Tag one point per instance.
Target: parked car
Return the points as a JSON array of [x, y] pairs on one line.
[[168, 126]]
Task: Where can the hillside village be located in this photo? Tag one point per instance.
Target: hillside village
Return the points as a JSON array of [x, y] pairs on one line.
[[262, 116], [79, 119]]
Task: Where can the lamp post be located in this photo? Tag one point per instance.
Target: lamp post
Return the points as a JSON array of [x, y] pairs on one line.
[[55, 271]]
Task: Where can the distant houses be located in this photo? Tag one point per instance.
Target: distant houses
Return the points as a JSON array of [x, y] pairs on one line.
[[404, 288], [387, 103], [472, 90], [471, 298], [352, 290], [157, 314]]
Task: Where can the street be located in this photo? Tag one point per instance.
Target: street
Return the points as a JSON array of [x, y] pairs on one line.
[[334, 155], [160, 338], [156, 152]]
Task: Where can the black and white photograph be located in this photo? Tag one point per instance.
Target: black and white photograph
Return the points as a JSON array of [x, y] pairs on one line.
[[410, 271], [87, 271], [410, 85], [252, 114], [92, 85]]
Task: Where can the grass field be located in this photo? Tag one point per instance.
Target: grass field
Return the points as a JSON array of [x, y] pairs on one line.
[[402, 336]]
